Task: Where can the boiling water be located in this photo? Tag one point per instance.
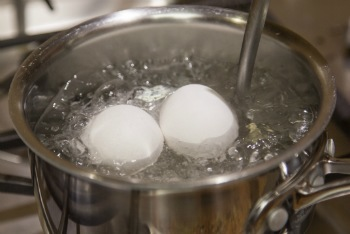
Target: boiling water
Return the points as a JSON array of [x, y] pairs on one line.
[[278, 111]]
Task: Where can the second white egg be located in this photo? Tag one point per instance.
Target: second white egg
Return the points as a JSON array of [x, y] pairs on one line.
[[197, 122]]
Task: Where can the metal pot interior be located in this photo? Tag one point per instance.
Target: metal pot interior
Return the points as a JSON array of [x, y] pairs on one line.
[[160, 33]]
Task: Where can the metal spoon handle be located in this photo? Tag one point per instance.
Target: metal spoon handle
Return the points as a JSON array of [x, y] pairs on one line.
[[251, 39]]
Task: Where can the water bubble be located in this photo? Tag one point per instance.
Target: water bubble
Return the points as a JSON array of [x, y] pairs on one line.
[[254, 157], [250, 114], [268, 156], [55, 128], [232, 151], [152, 94], [300, 128]]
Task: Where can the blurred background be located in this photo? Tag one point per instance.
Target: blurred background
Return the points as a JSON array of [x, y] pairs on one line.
[[24, 24]]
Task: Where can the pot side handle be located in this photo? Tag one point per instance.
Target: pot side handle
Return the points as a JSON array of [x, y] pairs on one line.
[[304, 189], [309, 195]]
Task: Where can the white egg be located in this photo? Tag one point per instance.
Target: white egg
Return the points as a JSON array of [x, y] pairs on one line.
[[124, 134], [197, 122]]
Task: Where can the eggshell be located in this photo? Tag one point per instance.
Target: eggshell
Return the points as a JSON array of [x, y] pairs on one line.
[[124, 134], [197, 122]]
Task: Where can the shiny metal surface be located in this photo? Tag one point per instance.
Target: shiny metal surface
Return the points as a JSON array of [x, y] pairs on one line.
[[213, 205], [307, 187], [250, 45], [288, 189], [219, 210]]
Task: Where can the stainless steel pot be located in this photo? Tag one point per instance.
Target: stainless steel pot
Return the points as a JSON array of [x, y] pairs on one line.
[[261, 198]]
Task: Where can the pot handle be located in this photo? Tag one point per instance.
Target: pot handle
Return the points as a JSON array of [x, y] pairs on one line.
[[302, 190], [322, 191], [14, 183]]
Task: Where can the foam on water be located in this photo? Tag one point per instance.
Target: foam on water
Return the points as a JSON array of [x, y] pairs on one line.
[[278, 111]]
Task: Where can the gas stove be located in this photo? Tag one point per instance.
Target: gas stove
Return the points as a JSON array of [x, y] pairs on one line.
[[24, 24]]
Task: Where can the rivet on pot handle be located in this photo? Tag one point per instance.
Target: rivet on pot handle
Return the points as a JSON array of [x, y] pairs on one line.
[[305, 188]]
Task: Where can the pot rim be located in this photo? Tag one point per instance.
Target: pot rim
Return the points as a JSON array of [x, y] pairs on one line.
[[23, 78]]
